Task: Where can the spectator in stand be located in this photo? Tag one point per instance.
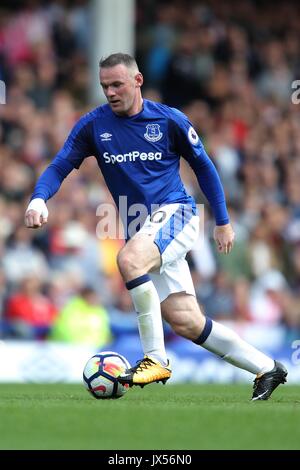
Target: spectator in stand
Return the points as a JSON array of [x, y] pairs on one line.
[[83, 320], [29, 312]]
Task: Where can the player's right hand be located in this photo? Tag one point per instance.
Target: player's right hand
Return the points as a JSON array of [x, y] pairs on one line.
[[36, 213]]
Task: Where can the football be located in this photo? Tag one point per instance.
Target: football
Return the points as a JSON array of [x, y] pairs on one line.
[[100, 375]]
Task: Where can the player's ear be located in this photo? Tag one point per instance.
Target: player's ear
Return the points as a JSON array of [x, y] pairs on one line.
[[139, 80]]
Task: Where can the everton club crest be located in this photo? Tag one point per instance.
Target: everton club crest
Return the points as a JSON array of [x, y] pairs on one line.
[[153, 133]]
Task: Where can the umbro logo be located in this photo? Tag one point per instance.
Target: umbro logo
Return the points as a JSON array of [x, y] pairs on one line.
[[106, 136]]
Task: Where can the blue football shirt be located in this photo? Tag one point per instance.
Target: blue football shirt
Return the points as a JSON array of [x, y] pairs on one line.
[[139, 158]]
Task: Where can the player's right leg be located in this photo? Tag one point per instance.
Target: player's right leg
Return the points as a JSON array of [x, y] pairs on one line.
[[166, 236], [139, 256]]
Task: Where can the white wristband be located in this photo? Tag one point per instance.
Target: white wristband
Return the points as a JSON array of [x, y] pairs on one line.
[[38, 205]]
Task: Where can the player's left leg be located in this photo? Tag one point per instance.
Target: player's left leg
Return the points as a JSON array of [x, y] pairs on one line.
[[183, 313]]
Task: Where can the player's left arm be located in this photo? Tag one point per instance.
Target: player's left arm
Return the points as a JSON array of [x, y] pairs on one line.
[[190, 147]]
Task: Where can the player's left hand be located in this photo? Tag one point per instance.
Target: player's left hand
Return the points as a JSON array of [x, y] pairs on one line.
[[224, 238]]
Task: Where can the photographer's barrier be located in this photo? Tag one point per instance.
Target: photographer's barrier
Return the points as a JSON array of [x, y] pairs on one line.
[[50, 362]]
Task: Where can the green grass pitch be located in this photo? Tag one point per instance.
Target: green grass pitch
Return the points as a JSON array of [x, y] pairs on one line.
[[191, 416]]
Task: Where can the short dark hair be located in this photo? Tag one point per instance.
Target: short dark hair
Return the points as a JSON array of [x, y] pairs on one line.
[[116, 59]]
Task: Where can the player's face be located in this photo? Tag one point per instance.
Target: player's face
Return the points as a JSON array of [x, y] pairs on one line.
[[121, 87]]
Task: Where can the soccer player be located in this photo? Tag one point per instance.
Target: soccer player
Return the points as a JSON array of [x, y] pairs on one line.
[[138, 144]]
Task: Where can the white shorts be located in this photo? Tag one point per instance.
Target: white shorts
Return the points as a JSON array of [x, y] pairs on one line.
[[174, 228]]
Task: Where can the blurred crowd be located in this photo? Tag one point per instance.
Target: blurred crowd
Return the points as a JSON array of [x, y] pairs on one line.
[[229, 66]]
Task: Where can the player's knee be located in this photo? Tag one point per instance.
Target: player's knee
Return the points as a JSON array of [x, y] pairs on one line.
[[124, 260], [128, 261]]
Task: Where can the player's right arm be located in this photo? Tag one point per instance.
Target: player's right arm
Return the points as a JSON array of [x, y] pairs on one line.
[[76, 148]]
